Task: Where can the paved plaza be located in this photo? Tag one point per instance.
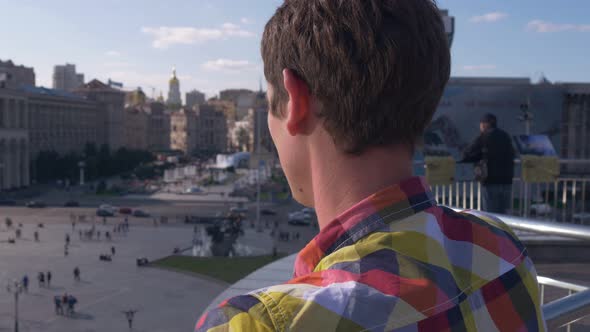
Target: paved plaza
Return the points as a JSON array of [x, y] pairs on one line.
[[166, 301]]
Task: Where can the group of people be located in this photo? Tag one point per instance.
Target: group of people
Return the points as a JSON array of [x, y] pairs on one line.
[[66, 301]]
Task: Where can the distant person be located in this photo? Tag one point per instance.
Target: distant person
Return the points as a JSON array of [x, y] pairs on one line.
[[36, 235], [26, 283], [41, 279], [67, 238], [493, 154], [130, 314], [352, 86], [77, 273], [48, 278], [58, 305], [113, 250]]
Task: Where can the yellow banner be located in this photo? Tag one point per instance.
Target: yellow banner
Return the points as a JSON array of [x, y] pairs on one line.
[[440, 170], [539, 169]]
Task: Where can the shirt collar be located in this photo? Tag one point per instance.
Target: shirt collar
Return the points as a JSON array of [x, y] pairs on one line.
[[377, 211]]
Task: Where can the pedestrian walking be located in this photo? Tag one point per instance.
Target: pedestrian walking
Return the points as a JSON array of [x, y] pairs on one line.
[[41, 279], [26, 283], [48, 278], [66, 252], [104, 220], [113, 250], [58, 305], [77, 273], [36, 235], [71, 303], [67, 238], [493, 155], [108, 235], [130, 314]]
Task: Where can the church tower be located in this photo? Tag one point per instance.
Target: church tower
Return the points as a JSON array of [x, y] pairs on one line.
[[174, 102]]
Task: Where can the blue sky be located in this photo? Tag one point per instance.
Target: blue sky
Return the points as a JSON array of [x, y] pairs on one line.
[[215, 43]]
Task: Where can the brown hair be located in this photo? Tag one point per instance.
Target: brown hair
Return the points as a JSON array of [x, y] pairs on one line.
[[378, 67]]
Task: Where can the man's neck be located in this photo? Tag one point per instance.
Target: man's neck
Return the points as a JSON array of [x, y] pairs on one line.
[[341, 181]]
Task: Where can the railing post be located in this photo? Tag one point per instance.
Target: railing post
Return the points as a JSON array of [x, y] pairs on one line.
[[547, 197], [555, 192], [471, 195], [574, 182], [464, 195], [450, 194], [564, 201], [436, 194], [444, 194], [479, 196], [583, 198], [457, 187], [542, 295]]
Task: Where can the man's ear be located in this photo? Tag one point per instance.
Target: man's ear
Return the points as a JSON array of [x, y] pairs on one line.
[[298, 107]]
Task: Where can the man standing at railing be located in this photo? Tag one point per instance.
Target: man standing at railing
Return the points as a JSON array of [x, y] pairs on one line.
[[493, 154], [352, 84]]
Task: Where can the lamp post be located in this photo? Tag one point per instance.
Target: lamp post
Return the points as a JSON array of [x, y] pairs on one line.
[[82, 165], [16, 288], [527, 118]]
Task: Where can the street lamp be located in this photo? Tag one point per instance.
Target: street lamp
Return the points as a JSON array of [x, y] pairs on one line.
[[526, 117], [16, 288], [82, 165]]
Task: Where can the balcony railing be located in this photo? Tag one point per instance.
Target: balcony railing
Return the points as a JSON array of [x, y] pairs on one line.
[[566, 199]]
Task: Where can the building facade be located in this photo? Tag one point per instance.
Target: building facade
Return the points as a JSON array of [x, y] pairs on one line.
[[147, 127], [575, 129], [194, 98], [62, 122], [66, 78], [14, 140], [15, 77], [183, 131], [111, 102], [212, 133]]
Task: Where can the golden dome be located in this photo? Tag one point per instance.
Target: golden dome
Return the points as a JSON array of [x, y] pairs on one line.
[[173, 79]]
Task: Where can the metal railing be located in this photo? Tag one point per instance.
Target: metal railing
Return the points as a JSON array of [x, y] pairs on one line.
[[566, 310], [564, 199]]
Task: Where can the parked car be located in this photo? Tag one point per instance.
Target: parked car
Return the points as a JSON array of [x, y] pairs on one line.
[[298, 218], [107, 207], [140, 214], [36, 204], [71, 204], [193, 190], [268, 212], [238, 209], [125, 210], [309, 213], [7, 202], [105, 213], [540, 209]]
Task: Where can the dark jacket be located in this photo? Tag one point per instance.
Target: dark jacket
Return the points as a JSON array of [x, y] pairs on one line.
[[494, 146]]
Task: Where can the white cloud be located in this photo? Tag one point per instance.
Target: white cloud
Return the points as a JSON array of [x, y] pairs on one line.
[[544, 26], [478, 67], [113, 53], [164, 37], [245, 20], [228, 65], [489, 17], [117, 64]]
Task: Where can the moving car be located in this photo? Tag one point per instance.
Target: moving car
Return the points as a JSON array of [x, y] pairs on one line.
[[238, 209], [125, 210], [36, 204]]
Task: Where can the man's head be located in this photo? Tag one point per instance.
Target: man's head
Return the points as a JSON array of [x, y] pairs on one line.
[[488, 121], [365, 73]]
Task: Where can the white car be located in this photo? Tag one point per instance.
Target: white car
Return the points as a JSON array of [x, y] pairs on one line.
[[110, 208], [308, 213]]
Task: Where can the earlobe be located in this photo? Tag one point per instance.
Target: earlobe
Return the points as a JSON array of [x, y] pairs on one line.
[[298, 104]]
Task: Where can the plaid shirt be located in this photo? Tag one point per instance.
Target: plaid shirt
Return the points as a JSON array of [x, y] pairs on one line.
[[398, 262]]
